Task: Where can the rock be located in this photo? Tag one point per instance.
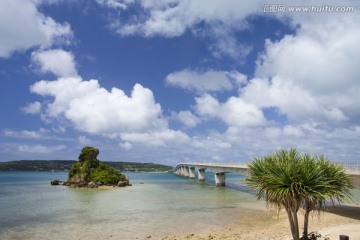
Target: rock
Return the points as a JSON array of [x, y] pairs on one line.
[[92, 185], [55, 182], [122, 183], [91, 172]]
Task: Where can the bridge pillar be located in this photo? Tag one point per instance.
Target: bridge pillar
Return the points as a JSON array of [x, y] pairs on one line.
[[201, 175], [186, 171], [191, 172], [180, 171], [220, 179]]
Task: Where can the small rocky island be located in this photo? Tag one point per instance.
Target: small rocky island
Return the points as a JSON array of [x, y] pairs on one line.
[[91, 172]]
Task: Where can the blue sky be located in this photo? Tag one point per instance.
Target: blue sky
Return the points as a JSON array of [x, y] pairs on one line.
[[170, 81]]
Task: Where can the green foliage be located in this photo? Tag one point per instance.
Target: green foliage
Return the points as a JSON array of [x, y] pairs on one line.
[[66, 165], [37, 165], [297, 181], [139, 167], [90, 169], [106, 174], [88, 154], [74, 169]]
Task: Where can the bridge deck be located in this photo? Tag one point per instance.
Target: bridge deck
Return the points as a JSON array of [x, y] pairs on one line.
[[220, 169]]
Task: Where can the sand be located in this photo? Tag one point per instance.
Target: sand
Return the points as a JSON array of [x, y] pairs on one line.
[[333, 222]]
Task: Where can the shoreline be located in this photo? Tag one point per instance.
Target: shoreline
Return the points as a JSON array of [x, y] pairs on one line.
[[332, 222]]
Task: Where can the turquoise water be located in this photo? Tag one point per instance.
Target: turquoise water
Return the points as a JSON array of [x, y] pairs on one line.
[[157, 205]]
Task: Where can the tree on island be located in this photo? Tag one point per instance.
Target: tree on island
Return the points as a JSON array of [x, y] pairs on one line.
[[296, 181], [89, 169]]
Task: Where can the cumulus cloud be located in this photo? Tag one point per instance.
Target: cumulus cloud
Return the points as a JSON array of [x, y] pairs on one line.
[[210, 143], [93, 109], [22, 27], [218, 20], [206, 81], [173, 18], [292, 100], [311, 75], [234, 112], [187, 118], [32, 108], [126, 145], [56, 61], [156, 139], [338, 144]]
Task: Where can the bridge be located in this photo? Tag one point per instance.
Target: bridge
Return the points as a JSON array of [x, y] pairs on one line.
[[187, 170], [219, 169]]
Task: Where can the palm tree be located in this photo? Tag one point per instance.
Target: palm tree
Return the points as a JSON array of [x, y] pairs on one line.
[[293, 181], [273, 177], [323, 181]]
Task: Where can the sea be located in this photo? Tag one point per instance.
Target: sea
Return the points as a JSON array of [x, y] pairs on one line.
[[157, 205]]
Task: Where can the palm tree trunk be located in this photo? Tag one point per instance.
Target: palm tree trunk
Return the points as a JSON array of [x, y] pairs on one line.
[[306, 220], [296, 223], [293, 223]]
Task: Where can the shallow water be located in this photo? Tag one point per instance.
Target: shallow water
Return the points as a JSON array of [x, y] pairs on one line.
[[157, 205]]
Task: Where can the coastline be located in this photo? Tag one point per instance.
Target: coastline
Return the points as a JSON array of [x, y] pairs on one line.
[[334, 221]]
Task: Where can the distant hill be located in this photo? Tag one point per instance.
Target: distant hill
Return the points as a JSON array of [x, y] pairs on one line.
[[65, 165]]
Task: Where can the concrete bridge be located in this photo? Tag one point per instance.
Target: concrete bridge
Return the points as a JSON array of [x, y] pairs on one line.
[[219, 169], [187, 170]]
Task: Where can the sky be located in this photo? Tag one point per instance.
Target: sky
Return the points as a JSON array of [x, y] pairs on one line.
[[170, 81]]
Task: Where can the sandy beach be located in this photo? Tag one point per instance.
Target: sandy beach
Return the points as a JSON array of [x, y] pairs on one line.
[[334, 221]]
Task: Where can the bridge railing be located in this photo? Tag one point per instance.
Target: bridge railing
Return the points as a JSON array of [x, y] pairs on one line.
[[234, 165], [350, 165]]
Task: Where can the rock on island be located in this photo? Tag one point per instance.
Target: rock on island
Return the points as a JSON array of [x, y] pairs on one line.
[[91, 172]]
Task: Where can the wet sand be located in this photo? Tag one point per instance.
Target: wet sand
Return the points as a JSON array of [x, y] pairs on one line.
[[334, 221]]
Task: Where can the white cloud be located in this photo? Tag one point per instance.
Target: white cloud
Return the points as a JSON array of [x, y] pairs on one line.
[[234, 112], [84, 141], [174, 17], [49, 2], [311, 75], [292, 100], [57, 61], [225, 43], [207, 81], [238, 78], [116, 4], [22, 27], [163, 138], [210, 143], [293, 131], [217, 20], [25, 134], [38, 148], [95, 110], [32, 108], [187, 118], [126, 145]]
